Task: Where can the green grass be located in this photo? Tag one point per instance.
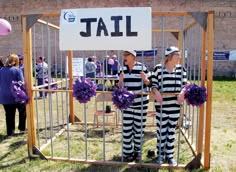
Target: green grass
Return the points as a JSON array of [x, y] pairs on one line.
[[14, 155], [224, 91]]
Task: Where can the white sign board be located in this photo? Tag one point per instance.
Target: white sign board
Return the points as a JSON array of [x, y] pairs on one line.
[[106, 29], [77, 66], [232, 55]]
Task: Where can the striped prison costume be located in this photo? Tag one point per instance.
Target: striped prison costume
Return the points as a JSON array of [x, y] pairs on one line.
[[134, 117], [168, 113]]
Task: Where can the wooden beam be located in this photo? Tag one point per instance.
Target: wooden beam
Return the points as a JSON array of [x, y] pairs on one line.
[[49, 24], [210, 32], [154, 13], [166, 30], [115, 163], [201, 113], [51, 15], [70, 73], [30, 112], [170, 13], [180, 42], [190, 25]]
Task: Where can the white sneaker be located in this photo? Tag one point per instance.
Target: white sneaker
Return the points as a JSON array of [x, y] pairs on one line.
[[172, 162]]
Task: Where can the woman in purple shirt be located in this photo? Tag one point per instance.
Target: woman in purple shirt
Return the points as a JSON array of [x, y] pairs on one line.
[[11, 72]]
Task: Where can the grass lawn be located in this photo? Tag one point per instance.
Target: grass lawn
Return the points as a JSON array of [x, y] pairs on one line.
[[14, 154]]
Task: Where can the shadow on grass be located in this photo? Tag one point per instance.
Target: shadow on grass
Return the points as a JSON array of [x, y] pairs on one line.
[[97, 168], [2, 138], [12, 147], [17, 144], [120, 168], [17, 162]]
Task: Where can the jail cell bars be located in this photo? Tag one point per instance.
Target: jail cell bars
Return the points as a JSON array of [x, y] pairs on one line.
[[60, 120]]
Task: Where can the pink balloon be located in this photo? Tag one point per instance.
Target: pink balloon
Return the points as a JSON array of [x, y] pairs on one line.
[[5, 27]]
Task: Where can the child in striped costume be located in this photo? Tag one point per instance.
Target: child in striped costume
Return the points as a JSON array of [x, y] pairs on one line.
[[134, 76], [170, 77]]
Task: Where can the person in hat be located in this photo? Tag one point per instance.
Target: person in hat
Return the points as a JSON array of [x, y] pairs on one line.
[[11, 72], [133, 75], [169, 77]]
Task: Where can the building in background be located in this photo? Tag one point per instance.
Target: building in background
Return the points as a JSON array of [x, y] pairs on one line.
[[224, 36]]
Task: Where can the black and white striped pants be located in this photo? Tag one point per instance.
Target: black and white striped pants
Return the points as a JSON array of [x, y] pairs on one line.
[[166, 121], [134, 123]]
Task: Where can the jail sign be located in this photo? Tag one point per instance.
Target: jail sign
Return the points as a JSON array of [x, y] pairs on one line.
[[106, 29]]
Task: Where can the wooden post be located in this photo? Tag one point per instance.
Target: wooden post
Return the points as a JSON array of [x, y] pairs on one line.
[[30, 112], [201, 113], [70, 72], [210, 31], [180, 43], [181, 46]]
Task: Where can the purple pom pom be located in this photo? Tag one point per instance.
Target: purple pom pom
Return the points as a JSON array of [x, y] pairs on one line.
[[122, 98], [19, 92], [195, 95], [84, 89]]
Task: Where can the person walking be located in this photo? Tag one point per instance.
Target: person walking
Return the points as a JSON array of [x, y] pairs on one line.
[[134, 76], [11, 72], [41, 74], [170, 77]]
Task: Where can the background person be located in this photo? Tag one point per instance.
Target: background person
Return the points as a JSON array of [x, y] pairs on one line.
[[1, 63], [41, 74], [98, 66], [21, 62], [170, 77], [134, 76], [90, 68], [11, 72], [115, 66], [107, 65]]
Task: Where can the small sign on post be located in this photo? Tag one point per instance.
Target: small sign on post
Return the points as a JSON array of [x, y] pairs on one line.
[[77, 66], [106, 29]]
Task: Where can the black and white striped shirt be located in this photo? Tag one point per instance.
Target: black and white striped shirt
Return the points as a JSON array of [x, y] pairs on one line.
[[133, 82], [169, 82]]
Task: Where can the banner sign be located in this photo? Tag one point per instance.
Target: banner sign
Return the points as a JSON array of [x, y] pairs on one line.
[[152, 52], [232, 55], [106, 29], [221, 55]]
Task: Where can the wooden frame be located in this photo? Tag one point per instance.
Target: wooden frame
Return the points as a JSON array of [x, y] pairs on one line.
[[207, 41]]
